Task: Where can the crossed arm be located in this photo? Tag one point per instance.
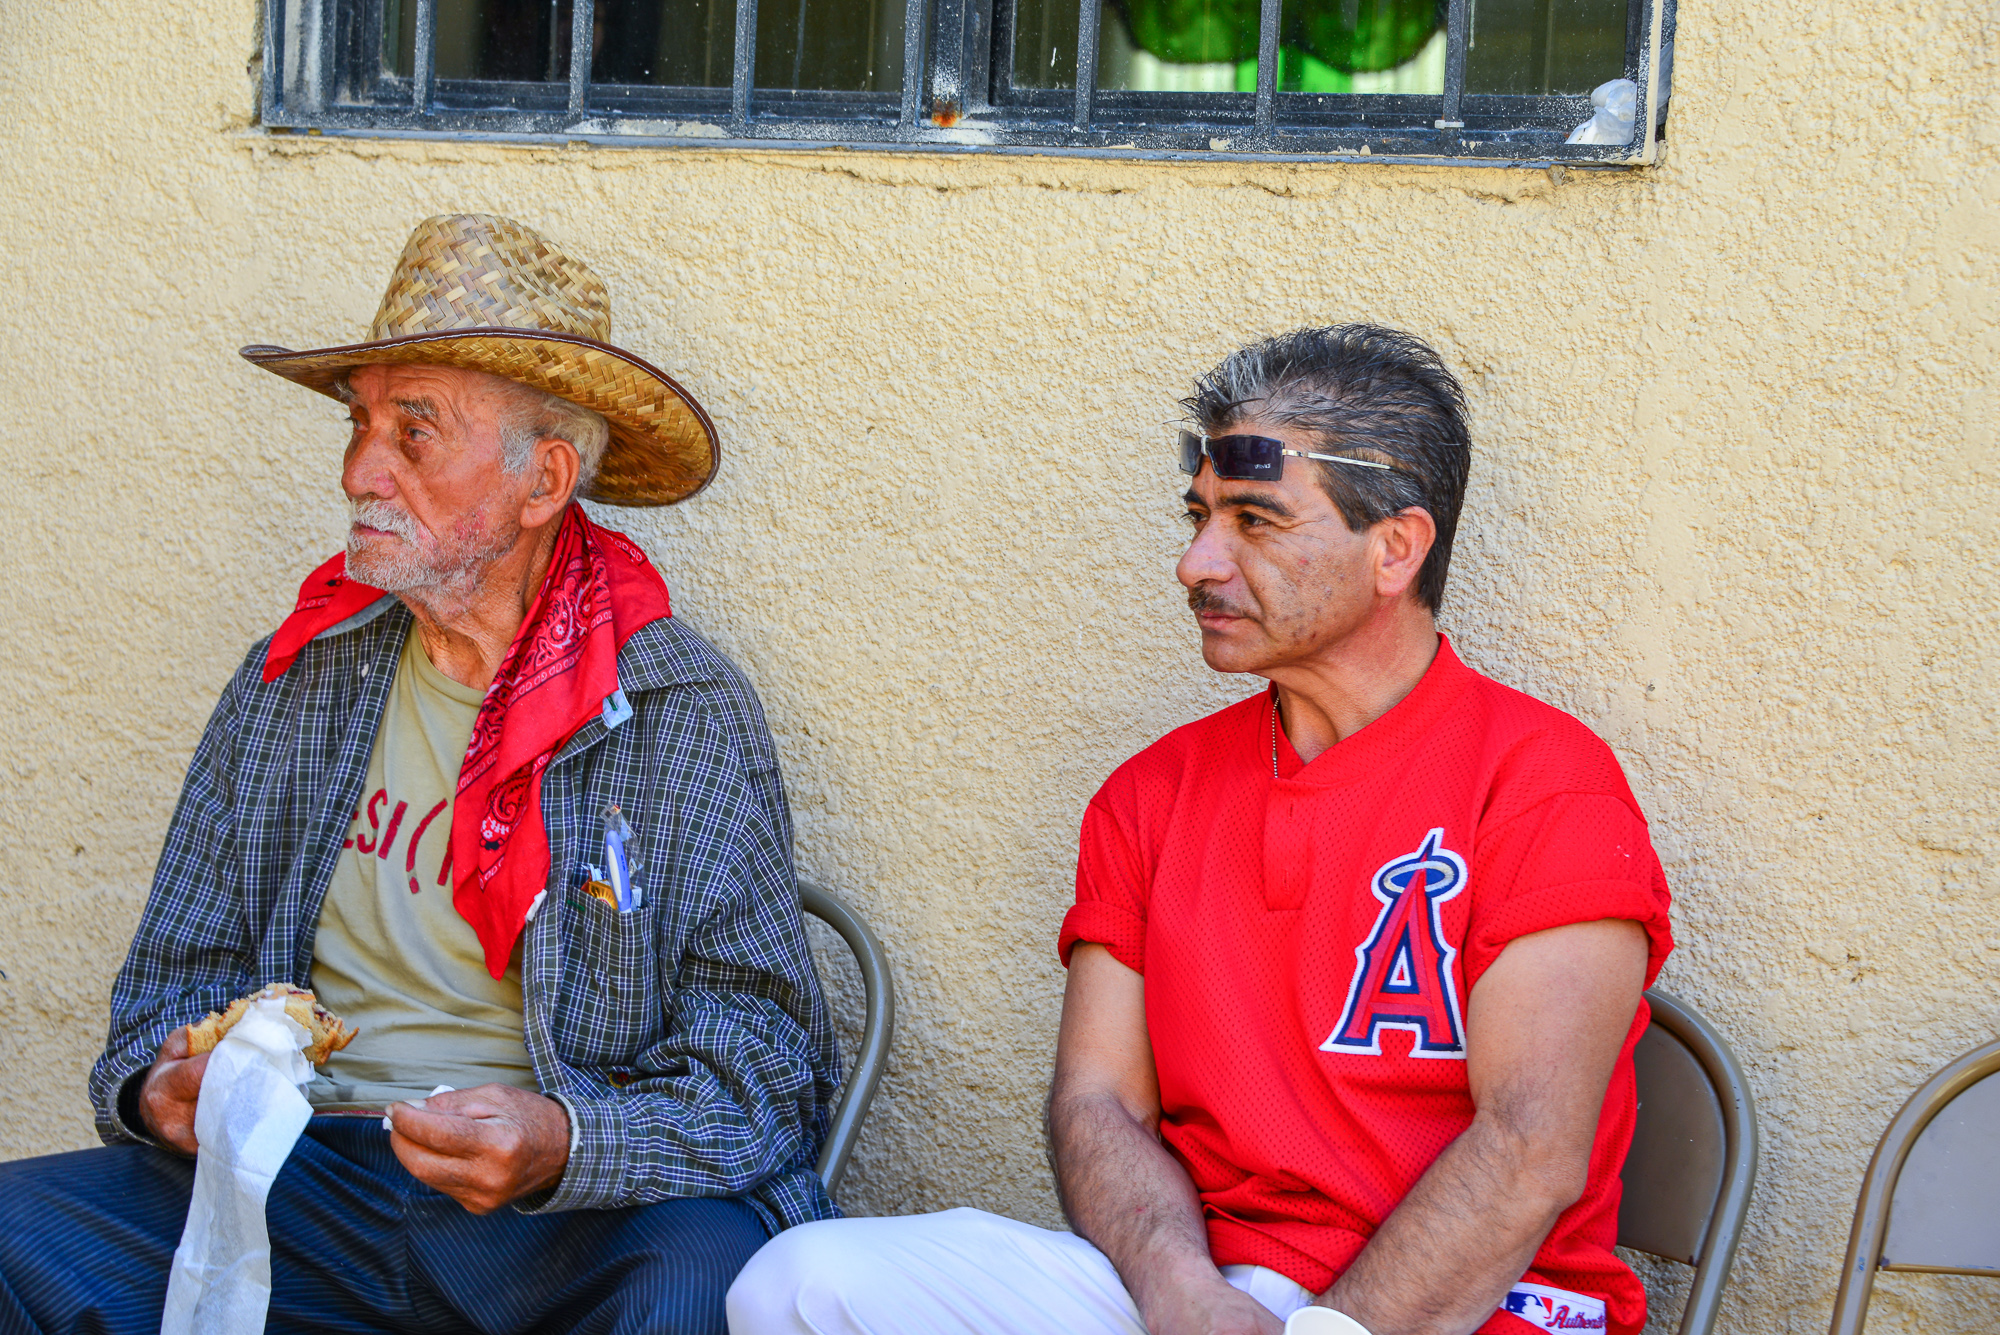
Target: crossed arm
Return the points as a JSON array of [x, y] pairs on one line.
[[1543, 1029]]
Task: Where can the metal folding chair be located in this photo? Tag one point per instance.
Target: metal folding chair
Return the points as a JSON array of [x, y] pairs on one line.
[[878, 1024], [1693, 1160], [1930, 1202]]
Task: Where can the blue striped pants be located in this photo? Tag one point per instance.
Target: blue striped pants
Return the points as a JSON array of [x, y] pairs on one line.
[[359, 1245]]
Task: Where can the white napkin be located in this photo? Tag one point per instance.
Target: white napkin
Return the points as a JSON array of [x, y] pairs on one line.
[[388, 1125], [247, 1119]]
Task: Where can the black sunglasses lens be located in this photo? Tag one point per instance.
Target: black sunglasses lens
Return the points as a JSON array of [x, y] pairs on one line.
[[1190, 453], [1247, 458]]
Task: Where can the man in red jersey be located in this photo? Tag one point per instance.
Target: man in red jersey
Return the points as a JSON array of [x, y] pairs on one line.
[[1355, 965]]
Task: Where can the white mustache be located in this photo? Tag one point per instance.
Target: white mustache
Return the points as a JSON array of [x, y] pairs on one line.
[[383, 515]]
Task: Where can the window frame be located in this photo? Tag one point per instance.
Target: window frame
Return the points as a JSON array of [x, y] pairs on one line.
[[317, 52]]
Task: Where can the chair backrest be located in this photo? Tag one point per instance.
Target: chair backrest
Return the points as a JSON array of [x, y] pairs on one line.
[[1693, 1160], [1931, 1198], [878, 1025]]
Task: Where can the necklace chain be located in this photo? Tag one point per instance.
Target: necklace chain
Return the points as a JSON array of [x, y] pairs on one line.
[[1274, 734]]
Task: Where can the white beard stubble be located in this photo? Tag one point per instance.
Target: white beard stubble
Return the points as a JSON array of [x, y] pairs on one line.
[[425, 568]]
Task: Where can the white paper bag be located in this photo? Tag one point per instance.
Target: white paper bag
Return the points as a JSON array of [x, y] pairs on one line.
[[248, 1118]]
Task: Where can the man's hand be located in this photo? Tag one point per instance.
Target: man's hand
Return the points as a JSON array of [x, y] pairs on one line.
[[167, 1097], [482, 1147], [1207, 1305]]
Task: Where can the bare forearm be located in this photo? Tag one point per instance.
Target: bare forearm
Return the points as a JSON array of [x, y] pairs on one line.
[[1127, 1195], [1120, 1187], [1467, 1231]]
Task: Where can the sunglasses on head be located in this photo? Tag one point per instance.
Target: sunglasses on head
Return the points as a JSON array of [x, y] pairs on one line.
[[1251, 458]]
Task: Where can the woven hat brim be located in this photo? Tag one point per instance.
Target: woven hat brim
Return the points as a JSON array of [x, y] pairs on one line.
[[663, 446]]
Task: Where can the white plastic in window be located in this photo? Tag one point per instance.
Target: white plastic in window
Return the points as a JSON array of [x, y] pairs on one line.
[[1612, 124]]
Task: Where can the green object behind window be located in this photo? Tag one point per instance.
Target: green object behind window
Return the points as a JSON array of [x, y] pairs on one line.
[[1343, 36], [1297, 73]]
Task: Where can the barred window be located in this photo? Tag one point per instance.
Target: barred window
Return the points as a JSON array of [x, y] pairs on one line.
[[1493, 81]]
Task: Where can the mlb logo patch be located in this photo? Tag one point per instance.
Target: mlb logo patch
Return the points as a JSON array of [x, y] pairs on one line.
[[1554, 1309]]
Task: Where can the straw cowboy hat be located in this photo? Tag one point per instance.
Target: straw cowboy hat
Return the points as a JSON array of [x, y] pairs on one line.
[[488, 294]]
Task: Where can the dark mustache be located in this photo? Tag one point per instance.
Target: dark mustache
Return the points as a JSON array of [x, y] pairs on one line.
[[1202, 598]]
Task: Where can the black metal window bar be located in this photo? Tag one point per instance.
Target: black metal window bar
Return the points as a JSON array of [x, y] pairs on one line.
[[325, 71]]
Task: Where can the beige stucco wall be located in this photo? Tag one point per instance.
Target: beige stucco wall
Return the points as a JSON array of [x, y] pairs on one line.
[[1733, 505]]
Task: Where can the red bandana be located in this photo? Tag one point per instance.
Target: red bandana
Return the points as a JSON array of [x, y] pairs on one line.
[[557, 674]]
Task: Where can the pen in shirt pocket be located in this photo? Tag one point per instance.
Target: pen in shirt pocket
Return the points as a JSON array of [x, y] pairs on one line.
[[610, 882], [618, 864]]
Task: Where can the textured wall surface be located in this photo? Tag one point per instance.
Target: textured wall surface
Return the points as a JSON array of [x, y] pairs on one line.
[[1732, 505]]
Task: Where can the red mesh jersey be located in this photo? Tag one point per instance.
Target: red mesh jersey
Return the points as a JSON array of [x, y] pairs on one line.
[[1305, 1008]]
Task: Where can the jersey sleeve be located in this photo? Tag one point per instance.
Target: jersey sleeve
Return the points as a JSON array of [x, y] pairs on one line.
[[1575, 857], [1112, 888]]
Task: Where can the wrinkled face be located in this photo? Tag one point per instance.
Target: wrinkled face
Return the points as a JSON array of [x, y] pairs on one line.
[[1273, 573], [433, 506]]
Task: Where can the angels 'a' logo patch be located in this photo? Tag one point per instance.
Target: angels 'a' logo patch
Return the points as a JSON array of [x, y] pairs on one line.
[[1402, 972]]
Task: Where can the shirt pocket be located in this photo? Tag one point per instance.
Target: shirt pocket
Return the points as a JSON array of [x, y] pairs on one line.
[[612, 1008]]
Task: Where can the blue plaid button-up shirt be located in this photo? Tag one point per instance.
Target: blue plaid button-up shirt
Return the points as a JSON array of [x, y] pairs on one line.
[[688, 1039]]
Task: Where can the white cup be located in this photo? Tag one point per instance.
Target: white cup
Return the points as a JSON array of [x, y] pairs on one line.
[[1322, 1321]]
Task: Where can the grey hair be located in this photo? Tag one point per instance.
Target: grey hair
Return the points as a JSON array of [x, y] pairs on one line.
[[1364, 391], [534, 415]]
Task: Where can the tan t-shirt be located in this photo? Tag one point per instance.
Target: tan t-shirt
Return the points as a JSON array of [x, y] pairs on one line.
[[392, 955]]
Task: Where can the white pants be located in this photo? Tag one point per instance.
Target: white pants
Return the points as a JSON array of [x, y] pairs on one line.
[[940, 1274]]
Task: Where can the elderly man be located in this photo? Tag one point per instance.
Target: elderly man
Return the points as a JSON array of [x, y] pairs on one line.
[[1354, 966], [502, 812]]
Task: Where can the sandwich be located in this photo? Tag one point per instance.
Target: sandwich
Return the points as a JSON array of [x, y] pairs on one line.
[[328, 1033]]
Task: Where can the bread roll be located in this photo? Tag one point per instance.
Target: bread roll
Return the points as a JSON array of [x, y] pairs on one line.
[[329, 1033]]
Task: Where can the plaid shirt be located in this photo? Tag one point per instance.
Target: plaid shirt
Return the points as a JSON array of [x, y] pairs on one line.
[[687, 1039]]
